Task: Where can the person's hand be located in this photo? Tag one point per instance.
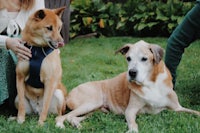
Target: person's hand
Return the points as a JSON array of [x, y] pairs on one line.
[[16, 45]]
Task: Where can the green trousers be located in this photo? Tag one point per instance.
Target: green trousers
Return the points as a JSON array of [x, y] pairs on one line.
[[184, 34]]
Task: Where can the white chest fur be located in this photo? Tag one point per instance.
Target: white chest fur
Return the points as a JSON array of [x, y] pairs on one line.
[[155, 94]]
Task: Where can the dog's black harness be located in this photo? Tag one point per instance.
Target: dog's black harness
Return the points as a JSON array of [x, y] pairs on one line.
[[38, 55]]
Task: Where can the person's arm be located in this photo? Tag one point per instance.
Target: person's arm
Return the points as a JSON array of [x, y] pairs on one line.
[[24, 14], [39, 4], [16, 45], [3, 25]]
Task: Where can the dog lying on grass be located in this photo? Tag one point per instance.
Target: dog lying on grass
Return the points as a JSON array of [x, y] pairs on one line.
[[145, 88], [39, 84]]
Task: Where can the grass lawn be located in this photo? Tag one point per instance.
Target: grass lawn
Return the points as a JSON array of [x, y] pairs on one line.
[[94, 59]]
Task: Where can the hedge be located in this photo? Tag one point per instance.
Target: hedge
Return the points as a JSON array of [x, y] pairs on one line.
[[130, 18]]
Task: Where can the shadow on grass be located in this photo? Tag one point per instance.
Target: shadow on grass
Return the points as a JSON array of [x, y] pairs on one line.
[[7, 110]]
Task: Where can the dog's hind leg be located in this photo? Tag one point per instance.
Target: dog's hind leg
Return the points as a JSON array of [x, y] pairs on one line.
[[28, 107], [182, 109], [74, 118], [57, 103], [175, 105]]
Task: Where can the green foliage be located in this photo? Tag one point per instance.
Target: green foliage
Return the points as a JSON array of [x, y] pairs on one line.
[[94, 16], [131, 18]]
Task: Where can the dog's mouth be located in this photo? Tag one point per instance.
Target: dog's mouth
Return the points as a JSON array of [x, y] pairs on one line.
[[55, 45], [134, 80]]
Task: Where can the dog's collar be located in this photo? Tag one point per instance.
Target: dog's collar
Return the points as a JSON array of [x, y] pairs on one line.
[[34, 49], [38, 55]]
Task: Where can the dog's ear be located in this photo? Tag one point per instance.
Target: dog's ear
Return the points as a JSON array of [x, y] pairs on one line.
[[158, 53], [39, 15], [59, 11], [123, 50]]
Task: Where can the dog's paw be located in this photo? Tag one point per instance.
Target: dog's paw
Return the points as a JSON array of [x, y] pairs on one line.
[[12, 118], [20, 120], [60, 124], [60, 119], [197, 113], [75, 121], [40, 123], [132, 131]]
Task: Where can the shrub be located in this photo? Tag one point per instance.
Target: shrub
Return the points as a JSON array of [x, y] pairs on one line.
[[129, 18]]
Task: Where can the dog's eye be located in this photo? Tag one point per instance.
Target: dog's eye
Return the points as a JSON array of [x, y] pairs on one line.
[[144, 59], [50, 28], [128, 59]]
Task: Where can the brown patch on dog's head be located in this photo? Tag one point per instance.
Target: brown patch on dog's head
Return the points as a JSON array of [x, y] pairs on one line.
[[123, 50], [144, 61], [59, 11], [39, 15], [157, 53]]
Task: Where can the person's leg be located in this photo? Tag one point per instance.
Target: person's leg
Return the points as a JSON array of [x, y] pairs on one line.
[[11, 82], [7, 83], [182, 37], [3, 79]]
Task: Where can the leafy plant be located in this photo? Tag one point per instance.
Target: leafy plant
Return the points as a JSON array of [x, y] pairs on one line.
[[130, 18]]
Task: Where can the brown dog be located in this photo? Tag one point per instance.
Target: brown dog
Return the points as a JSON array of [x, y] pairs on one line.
[[39, 88], [145, 88]]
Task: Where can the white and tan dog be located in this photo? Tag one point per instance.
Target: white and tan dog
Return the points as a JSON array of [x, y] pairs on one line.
[[145, 88]]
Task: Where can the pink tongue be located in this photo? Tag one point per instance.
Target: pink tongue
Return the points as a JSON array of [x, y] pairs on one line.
[[61, 44]]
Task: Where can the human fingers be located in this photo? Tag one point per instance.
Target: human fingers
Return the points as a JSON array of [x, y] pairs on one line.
[[22, 56], [24, 50]]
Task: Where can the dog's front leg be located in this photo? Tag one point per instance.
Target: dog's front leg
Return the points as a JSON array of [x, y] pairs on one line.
[[21, 97], [133, 107], [48, 93]]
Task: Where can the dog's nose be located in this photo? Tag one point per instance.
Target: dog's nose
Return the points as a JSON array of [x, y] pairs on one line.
[[132, 73]]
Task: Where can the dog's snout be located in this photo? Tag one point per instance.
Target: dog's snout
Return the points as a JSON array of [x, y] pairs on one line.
[[132, 73]]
